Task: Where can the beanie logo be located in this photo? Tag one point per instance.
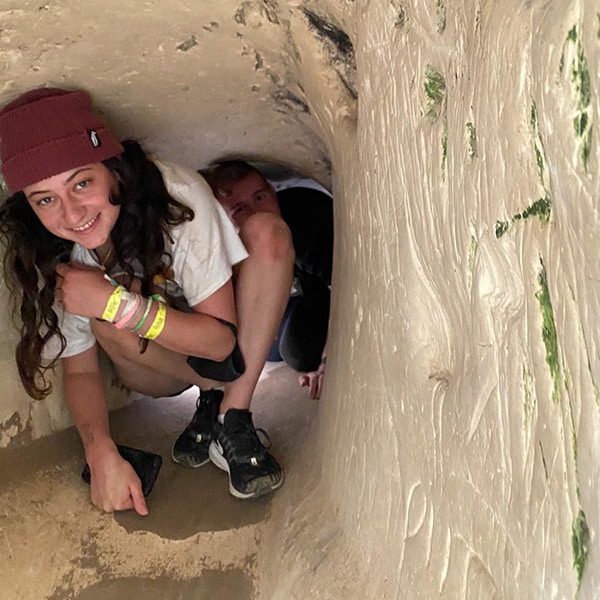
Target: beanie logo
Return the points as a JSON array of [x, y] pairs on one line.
[[94, 138]]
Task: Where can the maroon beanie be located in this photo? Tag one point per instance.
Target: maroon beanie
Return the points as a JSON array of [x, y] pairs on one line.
[[48, 131]]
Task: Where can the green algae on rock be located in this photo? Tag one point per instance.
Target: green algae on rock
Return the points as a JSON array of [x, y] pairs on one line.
[[549, 331], [580, 540]]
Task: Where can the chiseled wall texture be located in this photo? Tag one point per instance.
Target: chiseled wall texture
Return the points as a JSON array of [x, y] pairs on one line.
[[458, 435], [456, 453]]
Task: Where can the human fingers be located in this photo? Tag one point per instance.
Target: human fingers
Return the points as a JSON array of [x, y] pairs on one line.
[[112, 482], [59, 296], [110, 500], [314, 387], [105, 502], [85, 292], [67, 272], [138, 500], [62, 269], [319, 386], [303, 380]]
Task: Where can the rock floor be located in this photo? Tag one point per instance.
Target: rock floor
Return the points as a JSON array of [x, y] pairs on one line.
[[198, 542]]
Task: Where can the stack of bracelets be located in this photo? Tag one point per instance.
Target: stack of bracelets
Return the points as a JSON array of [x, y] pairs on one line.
[[134, 313]]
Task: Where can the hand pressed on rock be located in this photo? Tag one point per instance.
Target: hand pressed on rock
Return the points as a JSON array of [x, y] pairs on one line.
[[115, 485], [313, 381]]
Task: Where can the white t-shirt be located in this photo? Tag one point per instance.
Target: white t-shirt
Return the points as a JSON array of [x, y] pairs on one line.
[[203, 253]]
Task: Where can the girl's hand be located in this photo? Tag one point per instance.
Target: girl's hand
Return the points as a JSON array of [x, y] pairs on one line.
[[82, 290], [115, 485]]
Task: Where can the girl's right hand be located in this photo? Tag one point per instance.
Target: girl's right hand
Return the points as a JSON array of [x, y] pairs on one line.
[[115, 485], [82, 290]]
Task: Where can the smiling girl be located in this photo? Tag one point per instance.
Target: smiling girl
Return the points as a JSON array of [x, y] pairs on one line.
[[105, 247]]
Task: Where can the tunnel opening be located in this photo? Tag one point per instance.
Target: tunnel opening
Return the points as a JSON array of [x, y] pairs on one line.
[[183, 116]]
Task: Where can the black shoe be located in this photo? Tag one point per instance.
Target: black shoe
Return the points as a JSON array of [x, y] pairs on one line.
[[236, 449], [191, 447]]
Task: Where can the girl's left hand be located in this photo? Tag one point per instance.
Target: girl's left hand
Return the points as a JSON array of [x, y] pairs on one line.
[[82, 290]]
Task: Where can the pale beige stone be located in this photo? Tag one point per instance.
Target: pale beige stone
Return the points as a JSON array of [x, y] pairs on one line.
[[453, 449]]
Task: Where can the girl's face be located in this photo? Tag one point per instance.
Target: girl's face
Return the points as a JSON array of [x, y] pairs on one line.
[[75, 205]]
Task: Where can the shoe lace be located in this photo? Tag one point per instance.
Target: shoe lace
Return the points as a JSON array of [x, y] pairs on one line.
[[245, 443], [206, 411]]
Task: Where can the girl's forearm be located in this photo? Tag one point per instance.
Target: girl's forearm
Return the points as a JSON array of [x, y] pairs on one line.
[[86, 403], [196, 334]]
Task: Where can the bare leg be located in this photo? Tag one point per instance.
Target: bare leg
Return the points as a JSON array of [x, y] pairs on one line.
[[262, 289], [157, 372], [262, 285]]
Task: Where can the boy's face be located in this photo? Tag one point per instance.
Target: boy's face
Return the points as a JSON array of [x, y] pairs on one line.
[[241, 199]]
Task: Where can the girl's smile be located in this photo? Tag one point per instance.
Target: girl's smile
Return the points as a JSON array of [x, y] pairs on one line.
[[87, 225], [75, 205]]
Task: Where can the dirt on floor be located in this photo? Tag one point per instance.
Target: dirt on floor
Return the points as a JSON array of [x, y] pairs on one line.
[[197, 542]]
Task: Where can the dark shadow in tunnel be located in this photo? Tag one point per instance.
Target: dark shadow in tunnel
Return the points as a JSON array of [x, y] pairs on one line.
[[229, 584], [183, 502]]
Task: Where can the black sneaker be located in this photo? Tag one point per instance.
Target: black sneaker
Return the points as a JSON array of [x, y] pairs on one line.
[[191, 447], [236, 449]]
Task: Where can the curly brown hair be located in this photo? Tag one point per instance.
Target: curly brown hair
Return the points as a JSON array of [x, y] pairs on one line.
[[147, 214]]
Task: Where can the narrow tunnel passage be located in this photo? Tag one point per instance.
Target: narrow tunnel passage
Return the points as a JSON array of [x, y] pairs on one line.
[[454, 452], [94, 555]]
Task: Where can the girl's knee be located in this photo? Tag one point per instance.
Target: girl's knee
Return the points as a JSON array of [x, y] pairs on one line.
[[117, 344]]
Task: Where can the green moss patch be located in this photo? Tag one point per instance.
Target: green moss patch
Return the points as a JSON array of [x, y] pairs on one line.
[[444, 147], [435, 90], [544, 463], [441, 16], [538, 145], [580, 540], [582, 97], [542, 207], [549, 331], [471, 140], [501, 228]]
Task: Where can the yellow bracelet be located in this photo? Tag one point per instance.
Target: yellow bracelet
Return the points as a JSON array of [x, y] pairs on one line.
[[112, 304], [158, 324]]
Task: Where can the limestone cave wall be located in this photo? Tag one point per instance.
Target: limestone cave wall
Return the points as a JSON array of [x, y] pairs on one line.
[[456, 450]]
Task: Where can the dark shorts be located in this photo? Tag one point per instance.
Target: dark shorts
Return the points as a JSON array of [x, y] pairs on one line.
[[303, 331], [226, 370]]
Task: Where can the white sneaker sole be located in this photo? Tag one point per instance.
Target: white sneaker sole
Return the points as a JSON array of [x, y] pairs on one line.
[[184, 464], [218, 460]]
